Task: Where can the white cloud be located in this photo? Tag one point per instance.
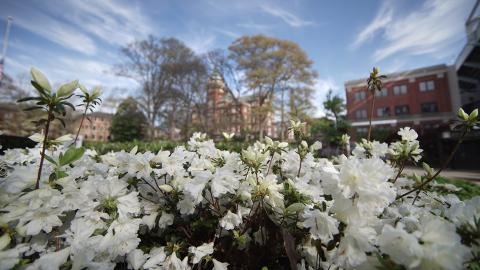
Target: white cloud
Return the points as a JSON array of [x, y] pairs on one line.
[[383, 18], [108, 20], [227, 33], [289, 18], [254, 26], [54, 30], [200, 42], [430, 29], [321, 89]]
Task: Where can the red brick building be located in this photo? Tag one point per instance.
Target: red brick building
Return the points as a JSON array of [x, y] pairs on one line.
[[97, 129], [224, 114], [425, 99]]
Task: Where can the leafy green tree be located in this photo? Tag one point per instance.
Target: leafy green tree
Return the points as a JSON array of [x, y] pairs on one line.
[[334, 106], [271, 66], [326, 130], [128, 123]]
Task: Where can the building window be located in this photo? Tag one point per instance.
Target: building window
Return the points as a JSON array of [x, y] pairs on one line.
[[361, 114], [402, 110], [362, 130], [400, 90], [429, 107], [382, 93], [426, 86], [361, 95], [382, 112]]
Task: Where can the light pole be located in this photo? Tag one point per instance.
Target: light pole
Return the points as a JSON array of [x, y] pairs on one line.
[[5, 45]]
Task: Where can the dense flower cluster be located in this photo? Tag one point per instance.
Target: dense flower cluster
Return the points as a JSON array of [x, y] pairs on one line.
[[203, 208]]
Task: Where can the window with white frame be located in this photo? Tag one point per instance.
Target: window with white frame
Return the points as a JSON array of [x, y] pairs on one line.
[[426, 86], [361, 114], [360, 95], [402, 110], [400, 90], [382, 112], [382, 93]]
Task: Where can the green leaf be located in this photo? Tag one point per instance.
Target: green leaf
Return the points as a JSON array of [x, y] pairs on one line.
[[67, 88], [40, 79], [83, 88], [71, 155], [28, 99], [51, 160], [61, 174]]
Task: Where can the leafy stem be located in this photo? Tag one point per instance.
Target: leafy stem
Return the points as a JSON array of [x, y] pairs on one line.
[[81, 123], [44, 146]]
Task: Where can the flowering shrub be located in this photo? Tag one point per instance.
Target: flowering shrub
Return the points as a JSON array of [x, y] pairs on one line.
[[199, 207]]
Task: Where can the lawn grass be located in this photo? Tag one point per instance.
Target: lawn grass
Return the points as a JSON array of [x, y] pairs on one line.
[[467, 191]]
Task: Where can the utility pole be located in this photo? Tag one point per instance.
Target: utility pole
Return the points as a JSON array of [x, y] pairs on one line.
[[5, 45]]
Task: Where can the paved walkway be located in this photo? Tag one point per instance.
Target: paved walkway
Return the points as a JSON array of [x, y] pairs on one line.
[[471, 176]]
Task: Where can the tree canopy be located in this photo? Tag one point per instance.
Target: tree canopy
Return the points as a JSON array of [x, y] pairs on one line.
[[270, 65], [129, 123]]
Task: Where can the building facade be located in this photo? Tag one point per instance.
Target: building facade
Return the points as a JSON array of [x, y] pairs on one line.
[[467, 65], [425, 99], [97, 129], [242, 116]]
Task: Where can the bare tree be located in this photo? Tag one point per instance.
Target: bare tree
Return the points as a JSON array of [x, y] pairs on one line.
[[163, 68]]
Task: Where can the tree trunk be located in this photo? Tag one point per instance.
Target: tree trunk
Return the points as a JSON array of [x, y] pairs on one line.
[[282, 116]]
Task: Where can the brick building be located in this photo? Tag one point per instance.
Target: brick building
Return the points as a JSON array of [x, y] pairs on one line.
[[98, 129], [224, 114], [425, 99]]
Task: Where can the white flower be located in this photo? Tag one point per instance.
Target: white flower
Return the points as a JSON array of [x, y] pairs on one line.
[[219, 265], [136, 259], [200, 252], [230, 220], [10, 257], [149, 220], [36, 211], [165, 220], [156, 257], [402, 247], [174, 263], [196, 185], [345, 140], [442, 248], [322, 226], [408, 134], [356, 241], [224, 181], [128, 204], [51, 261], [228, 136], [315, 146]]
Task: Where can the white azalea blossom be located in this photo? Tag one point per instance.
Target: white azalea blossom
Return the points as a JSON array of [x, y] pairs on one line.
[[200, 252], [321, 225]]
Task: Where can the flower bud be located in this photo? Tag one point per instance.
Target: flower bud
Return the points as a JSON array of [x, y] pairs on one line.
[[166, 188], [473, 115], [462, 115]]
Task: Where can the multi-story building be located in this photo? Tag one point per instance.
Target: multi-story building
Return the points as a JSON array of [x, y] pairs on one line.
[[97, 129], [225, 114], [467, 65], [425, 99]]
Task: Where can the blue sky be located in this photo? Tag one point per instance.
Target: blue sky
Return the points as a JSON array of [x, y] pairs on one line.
[[81, 39]]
